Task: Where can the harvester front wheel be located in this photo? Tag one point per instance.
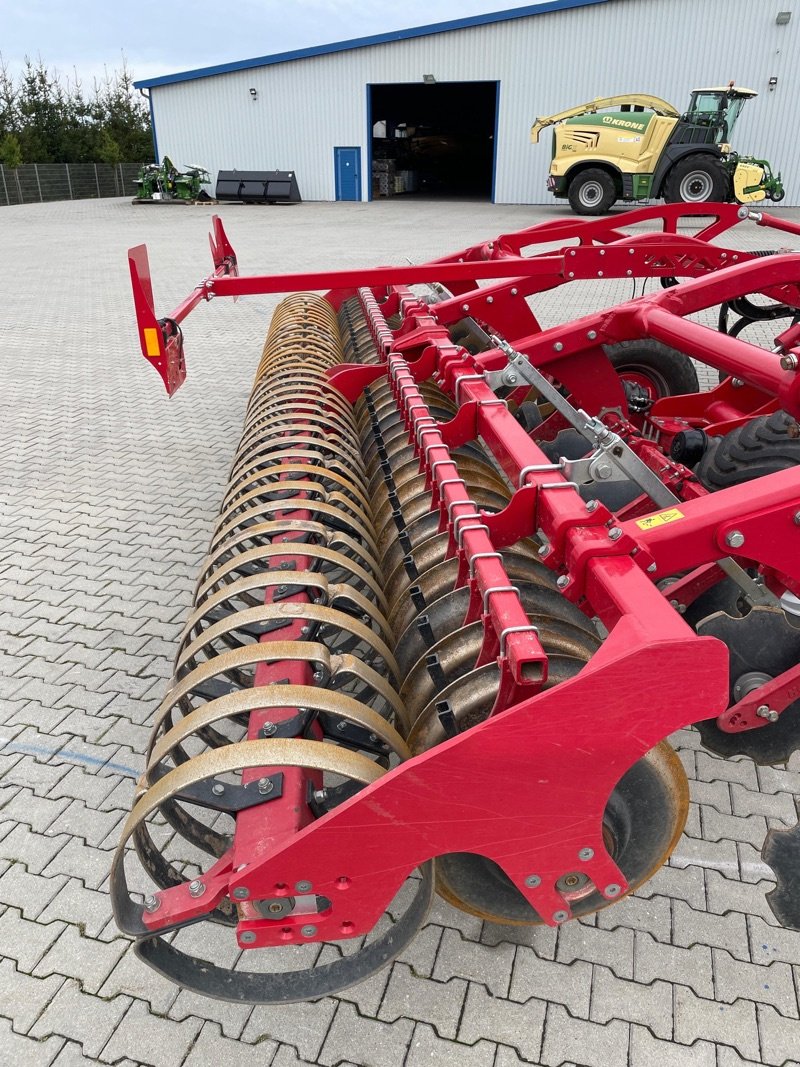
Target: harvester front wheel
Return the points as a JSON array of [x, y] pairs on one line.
[[697, 179], [592, 192]]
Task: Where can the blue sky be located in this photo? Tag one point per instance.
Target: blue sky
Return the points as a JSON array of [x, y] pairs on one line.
[[161, 36]]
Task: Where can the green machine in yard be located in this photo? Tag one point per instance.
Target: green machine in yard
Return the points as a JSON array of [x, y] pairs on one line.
[[164, 183]]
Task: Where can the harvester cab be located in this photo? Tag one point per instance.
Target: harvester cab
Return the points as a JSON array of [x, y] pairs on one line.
[[634, 147], [714, 112]]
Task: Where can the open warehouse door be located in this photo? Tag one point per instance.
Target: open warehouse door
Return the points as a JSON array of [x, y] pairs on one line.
[[433, 139]]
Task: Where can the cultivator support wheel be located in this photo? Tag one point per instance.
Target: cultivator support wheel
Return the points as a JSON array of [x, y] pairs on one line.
[[436, 637]]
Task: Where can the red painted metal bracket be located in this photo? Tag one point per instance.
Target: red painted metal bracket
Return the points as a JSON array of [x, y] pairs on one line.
[[763, 706], [603, 250]]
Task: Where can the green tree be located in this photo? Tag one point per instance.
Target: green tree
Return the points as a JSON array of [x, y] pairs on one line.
[[108, 150], [40, 103], [54, 121], [8, 100], [126, 116], [10, 151]]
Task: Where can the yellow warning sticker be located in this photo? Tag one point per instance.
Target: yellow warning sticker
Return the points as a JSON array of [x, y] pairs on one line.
[[151, 342], [661, 519]]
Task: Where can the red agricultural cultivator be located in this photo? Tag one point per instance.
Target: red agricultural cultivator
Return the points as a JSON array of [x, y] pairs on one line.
[[467, 576]]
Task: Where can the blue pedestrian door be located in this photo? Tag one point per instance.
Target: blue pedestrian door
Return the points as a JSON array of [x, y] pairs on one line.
[[347, 163]]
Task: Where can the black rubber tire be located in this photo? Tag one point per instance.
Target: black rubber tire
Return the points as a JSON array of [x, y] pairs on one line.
[[762, 446], [595, 177], [670, 373], [718, 183]]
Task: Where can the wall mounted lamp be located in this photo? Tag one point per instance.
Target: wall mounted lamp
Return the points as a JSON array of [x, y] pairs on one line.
[[254, 92], [783, 18], [429, 79]]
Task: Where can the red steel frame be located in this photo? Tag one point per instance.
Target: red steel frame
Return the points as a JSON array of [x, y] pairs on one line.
[[528, 787]]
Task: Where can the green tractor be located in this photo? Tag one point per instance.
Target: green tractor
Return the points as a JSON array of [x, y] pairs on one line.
[[636, 146], [165, 182]]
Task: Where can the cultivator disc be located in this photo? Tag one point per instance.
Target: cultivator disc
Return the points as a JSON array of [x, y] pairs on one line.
[[440, 634]]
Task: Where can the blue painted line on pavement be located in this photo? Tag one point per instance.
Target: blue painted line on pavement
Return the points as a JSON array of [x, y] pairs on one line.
[[69, 756]]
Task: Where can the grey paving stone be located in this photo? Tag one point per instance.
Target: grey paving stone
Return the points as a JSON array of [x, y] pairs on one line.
[[40, 668], [27, 995], [42, 692], [692, 927], [71, 1055], [497, 1019], [26, 942], [88, 909], [437, 1003], [83, 958], [780, 1037], [490, 965], [32, 713], [586, 1043], [766, 984], [729, 1024], [737, 769], [366, 995], [780, 807], [81, 1017], [779, 780], [721, 855], [542, 939], [613, 948], [134, 978], [687, 966], [729, 1057], [93, 728], [616, 998], [714, 794], [693, 827], [442, 914], [79, 784], [303, 1025], [286, 1056], [568, 984], [229, 1017], [31, 893], [25, 1051], [93, 826], [211, 1047], [509, 1057], [40, 777], [76, 857], [729, 894], [375, 1043], [649, 1051], [160, 1042], [639, 913], [420, 955], [35, 851], [752, 868], [718, 827], [432, 1051]]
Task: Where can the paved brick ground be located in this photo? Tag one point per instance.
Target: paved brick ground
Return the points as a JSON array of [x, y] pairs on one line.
[[107, 493]]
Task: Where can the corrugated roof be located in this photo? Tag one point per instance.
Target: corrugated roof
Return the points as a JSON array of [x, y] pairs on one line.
[[366, 42]]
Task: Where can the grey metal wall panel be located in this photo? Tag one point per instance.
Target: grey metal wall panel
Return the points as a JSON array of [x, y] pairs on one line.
[[544, 63]]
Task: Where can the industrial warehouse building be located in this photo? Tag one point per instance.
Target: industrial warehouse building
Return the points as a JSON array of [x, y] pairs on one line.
[[446, 109]]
